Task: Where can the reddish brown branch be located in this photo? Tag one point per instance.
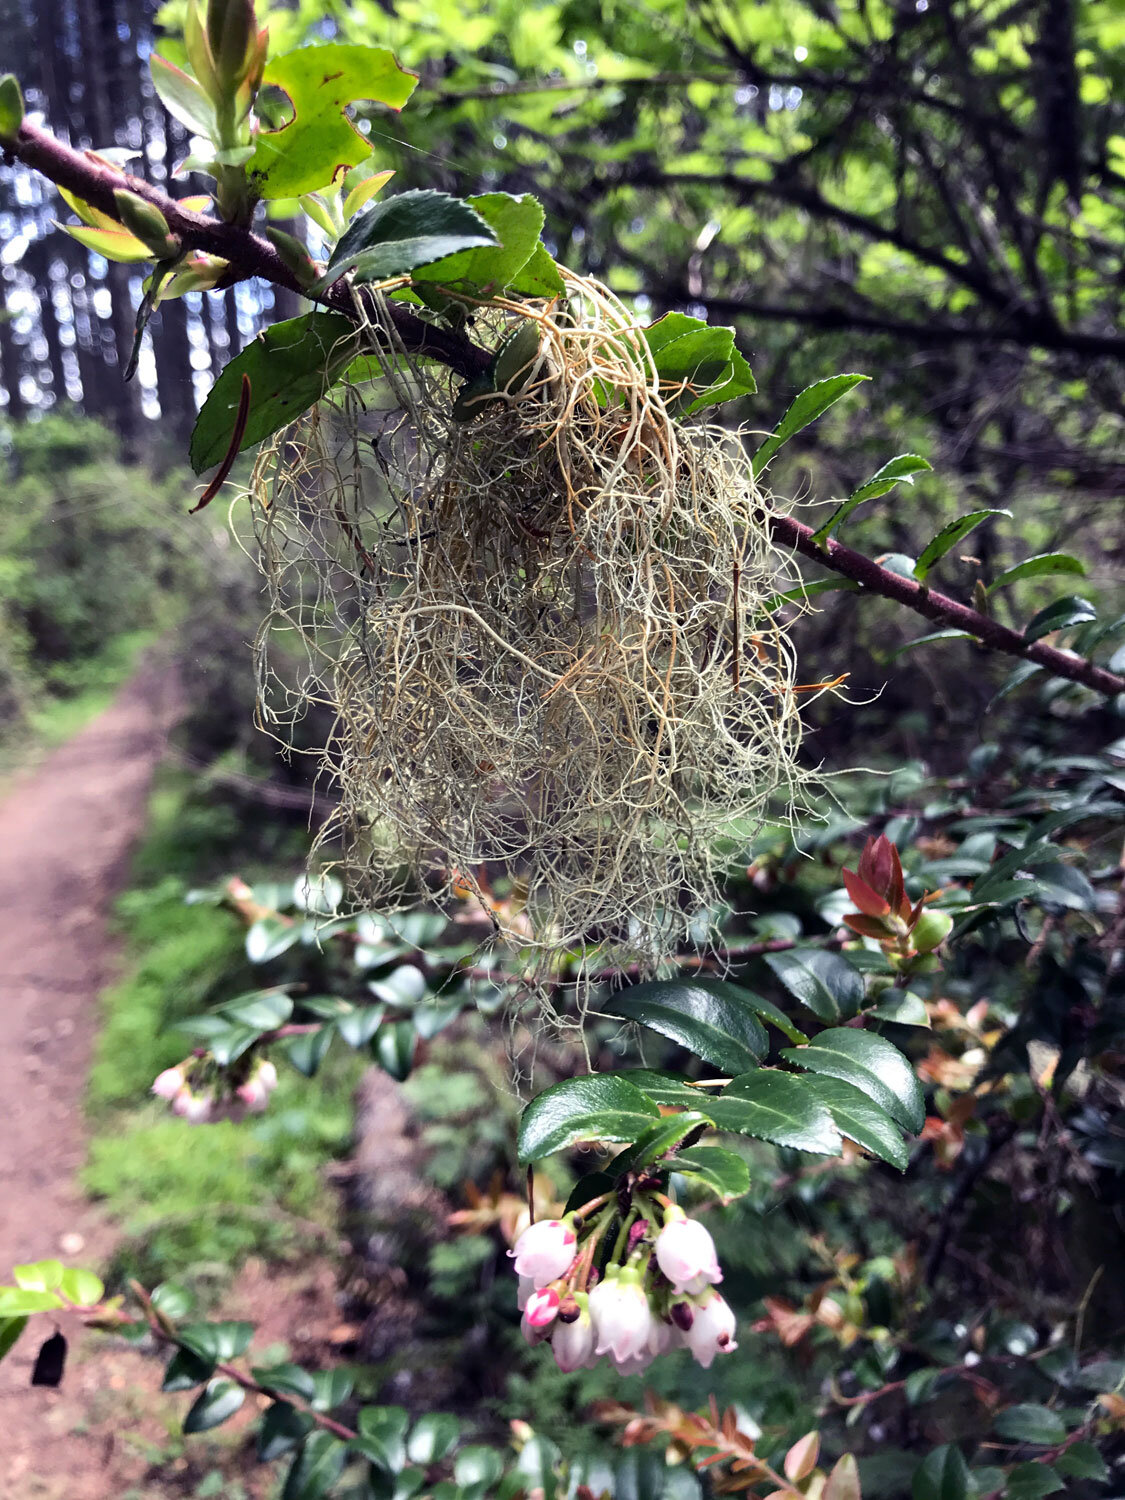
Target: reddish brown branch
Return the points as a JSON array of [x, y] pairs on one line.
[[940, 608]]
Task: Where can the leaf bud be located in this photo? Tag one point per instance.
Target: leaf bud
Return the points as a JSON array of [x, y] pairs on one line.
[[931, 930], [232, 35], [145, 221], [295, 255], [11, 108]]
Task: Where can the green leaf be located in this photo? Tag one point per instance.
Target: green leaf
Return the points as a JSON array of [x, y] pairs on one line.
[[16, 1302], [331, 1388], [1016, 679], [307, 1052], [316, 1468], [1037, 567], [872, 1065], [658, 1139], [900, 470], [942, 1475], [687, 351], [903, 1008], [862, 1120], [1061, 885], [478, 1466], [813, 402], [539, 277], [823, 982], [219, 1401], [516, 223], [807, 591], [264, 1010], [11, 107], [710, 1017], [1029, 1481], [283, 1427], [10, 1330], [1060, 615], [402, 233], [360, 1024], [722, 1171], [382, 1430], [1083, 1461], [393, 1049], [290, 366], [185, 1371], [777, 1107], [948, 537], [948, 634], [669, 1089], [286, 1380], [597, 1107], [433, 1437], [1030, 1424], [182, 97], [321, 82], [39, 1276], [114, 244], [172, 1299], [81, 1287], [215, 1341]]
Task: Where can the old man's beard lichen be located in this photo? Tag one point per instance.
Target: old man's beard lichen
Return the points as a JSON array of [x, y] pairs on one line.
[[539, 621]]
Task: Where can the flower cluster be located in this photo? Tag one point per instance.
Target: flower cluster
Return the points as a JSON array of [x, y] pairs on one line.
[[655, 1292], [202, 1101]]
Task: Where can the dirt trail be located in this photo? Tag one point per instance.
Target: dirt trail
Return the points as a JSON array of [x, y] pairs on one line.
[[66, 829]]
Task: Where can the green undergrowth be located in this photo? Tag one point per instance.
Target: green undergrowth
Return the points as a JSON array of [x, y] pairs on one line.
[[195, 1201]]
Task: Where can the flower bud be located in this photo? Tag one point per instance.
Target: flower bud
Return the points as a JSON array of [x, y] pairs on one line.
[[621, 1315], [267, 1075], [531, 1334], [712, 1329], [545, 1251], [145, 222], [572, 1342], [526, 1287], [931, 930], [685, 1252], [168, 1084], [196, 1109], [542, 1307], [254, 1094]]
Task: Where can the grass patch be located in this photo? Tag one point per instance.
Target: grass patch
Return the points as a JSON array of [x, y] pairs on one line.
[[194, 1202], [79, 691]]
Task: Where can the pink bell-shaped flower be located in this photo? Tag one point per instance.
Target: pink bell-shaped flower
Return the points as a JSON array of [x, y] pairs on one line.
[[685, 1252], [168, 1084], [712, 1329], [545, 1251], [621, 1315], [572, 1343], [526, 1287], [196, 1109], [542, 1307]]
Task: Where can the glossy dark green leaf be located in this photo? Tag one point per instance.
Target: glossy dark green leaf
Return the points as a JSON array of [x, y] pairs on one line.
[[393, 1049], [172, 1299], [331, 1388], [777, 1107], [264, 1011], [948, 537], [1028, 1423], [701, 358], [813, 402], [712, 1018], [1037, 567], [316, 1468], [660, 1138], [805, 591], [360, 1024], [1083, 1461], [186, 1370], [488, 269], [825, 983], [858, 1117], [290, 366], [872, 1065], [595, 1107], [382, 1429], [477, 1466], [399, 234], [283, 1428], [538, 277], [219, 1400], [928, 640], [286, 1379], [215, 1341], [670, 1089], [1061, 885], [942, 1475], [432, 1438], [308, 1051], [1029, 1481], [722, 1172], [1059, 615]]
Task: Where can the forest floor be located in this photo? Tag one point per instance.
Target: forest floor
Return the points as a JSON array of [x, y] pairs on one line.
[[67, 826]]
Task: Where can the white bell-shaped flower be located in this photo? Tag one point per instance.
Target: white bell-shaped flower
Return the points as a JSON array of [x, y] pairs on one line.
[[545, 1251], [622, 1316], [712, 1329], [685, 1252], [572, 1343]]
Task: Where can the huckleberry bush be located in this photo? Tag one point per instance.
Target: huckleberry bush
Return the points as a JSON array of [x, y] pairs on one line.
[[652, 1293]]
